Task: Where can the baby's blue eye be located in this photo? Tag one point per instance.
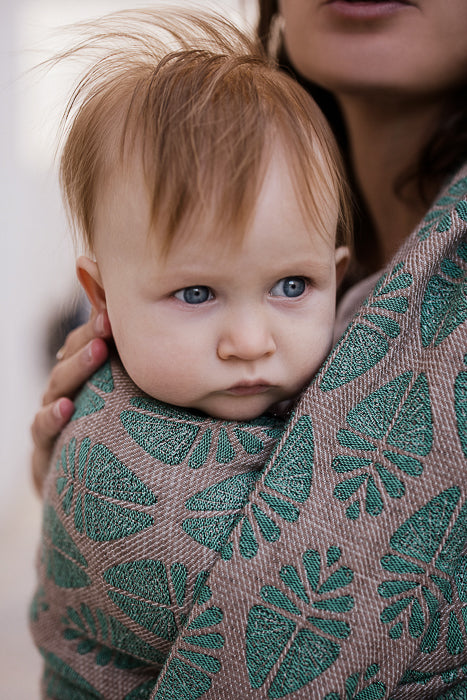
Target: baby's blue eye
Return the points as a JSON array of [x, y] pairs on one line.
[[194, 295], [289, 287]]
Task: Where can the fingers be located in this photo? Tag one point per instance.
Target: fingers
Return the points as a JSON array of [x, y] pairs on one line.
[[48, 422], [83, 353], [98, 326], [69, 374]]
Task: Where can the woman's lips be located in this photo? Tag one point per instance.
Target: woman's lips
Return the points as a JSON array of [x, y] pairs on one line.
[[367, 9]]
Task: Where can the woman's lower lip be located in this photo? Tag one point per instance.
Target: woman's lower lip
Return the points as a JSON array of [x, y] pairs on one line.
[[248, 390], [366, 10]]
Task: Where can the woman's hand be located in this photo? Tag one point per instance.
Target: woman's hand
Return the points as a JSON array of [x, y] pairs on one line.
[[83, 352]]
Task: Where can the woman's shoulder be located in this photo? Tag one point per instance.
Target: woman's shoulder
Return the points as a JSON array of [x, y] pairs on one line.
[[351, 302], [451, 202]]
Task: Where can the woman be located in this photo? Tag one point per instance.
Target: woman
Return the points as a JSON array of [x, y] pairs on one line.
[[391, 77]]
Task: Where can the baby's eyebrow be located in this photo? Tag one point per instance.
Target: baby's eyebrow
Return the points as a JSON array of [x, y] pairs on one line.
[[303, 268]]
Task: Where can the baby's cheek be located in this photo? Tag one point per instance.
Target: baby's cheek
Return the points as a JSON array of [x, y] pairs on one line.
[[314, 350], [134, 353], [161, 373]]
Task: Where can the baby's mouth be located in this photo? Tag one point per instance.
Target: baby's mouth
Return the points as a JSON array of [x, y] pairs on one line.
[[249, 388]]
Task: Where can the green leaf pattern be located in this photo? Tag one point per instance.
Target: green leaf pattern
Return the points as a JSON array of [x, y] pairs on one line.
[[62, 681], [366, 342], [173, 435], [439, 218], [361, 686], [189, 673], [64, 563], [309, 621], [431, 575], [88, 400], [155, 595], [108, 640], [288, 484], [99, 492], [444, 305], [386, 437]]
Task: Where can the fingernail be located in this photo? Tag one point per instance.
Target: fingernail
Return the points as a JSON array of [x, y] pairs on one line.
[[99, 324], [57, 411], [60, 353], [89, 356]]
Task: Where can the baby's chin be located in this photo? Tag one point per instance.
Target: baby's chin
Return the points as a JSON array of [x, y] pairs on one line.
[[243, 411]]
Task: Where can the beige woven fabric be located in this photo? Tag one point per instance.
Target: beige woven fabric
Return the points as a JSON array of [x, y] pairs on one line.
[[124, 551], [339, 571], [364, 594]]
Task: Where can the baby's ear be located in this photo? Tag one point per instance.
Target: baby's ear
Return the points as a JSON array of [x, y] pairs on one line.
[[91, 281], [342, 260]]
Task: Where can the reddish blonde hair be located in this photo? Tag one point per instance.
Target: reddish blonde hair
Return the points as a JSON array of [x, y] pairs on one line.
[[206, 110]]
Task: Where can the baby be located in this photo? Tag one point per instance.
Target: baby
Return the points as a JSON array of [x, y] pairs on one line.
[[208, 194]]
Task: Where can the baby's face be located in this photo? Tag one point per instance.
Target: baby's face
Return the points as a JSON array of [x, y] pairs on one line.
[[229, 330]]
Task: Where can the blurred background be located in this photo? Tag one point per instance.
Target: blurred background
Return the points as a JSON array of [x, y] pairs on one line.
[[37, 284]]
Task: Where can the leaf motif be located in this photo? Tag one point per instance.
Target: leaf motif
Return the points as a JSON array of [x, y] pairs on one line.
[[182, 681], [63, 560], [292, 471], [413, 428], [376, 690], [145, 578], [105, 521], [419, 539], [308, 657], [360, 350], [62, 681], [270, 629], [444, 305], [367, 341], [212, 532], [155, 618], [82, 626], [263, 648], [373, 415], [421, 535], [460, 405], [385, 418], [226, 495], [86, 403], [107, 480], [167, 441]]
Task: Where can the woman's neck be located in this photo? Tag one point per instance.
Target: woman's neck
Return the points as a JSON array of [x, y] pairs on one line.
[[385, 141]]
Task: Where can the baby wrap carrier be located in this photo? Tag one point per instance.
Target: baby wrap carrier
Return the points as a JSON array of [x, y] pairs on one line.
[[140, 500], [339, 571]]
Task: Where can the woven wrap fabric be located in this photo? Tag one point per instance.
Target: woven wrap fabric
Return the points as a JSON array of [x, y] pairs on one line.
[[140, 501], [358, 588], [337, 572]]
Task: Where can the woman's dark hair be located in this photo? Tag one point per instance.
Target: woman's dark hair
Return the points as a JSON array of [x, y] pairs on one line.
[[442, 155]]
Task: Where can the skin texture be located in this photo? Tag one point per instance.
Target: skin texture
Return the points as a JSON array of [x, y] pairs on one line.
[[247, 345], [417, 51]]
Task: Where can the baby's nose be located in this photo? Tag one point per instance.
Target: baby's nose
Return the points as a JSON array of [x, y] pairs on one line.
[[247, 339]]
